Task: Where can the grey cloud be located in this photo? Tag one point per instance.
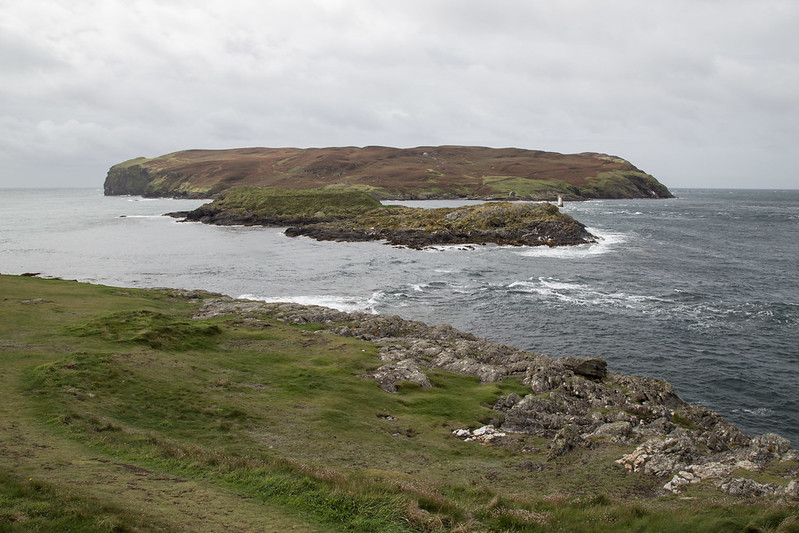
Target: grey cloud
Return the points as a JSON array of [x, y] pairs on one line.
[[683, 89]]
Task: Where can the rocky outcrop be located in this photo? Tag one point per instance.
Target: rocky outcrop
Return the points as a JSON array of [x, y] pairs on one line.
[[389, 173], [546, 233], [355, 217], [575, 403]]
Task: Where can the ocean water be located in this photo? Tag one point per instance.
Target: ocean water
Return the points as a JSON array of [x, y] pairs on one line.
[[701, 290]]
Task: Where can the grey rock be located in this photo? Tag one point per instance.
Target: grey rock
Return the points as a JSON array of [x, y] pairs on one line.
[[613, 429], [792, 490], [592, 368], [388, 376], [748, 488], [565, 440]]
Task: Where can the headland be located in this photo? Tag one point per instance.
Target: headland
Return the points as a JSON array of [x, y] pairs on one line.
[[388, 173]]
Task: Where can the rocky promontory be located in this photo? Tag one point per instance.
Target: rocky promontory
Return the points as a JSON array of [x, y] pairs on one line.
[[573, 403], [388, 173], [358, 216]]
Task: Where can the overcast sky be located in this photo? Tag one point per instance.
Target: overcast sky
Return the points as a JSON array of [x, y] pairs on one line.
[[699, 93]]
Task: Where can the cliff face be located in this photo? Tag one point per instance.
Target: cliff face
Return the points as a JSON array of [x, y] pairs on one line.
[[129, 177], [389, 173]]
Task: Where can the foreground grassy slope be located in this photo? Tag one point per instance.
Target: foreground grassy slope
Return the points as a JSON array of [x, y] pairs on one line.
[[389, 173], [121, 412]]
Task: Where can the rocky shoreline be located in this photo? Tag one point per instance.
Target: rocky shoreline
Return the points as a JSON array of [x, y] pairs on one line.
[[502, 223], [574, 403], [545, 233]]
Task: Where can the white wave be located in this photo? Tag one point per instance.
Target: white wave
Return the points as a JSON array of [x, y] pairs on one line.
[[437, 285], [390, 298], [342, 303], [452, 247], [607, 241], [758, 411], [582, 294]]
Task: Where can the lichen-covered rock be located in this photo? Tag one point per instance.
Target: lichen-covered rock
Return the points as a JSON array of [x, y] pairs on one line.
[[487, 434], [714, 432], [592, 368], [748, 488], [769, 446], [662, 457], [565, 440], [388, 376], [613, 429], [792, 490]]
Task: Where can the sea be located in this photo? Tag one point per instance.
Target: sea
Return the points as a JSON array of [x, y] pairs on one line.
[[701, 290]]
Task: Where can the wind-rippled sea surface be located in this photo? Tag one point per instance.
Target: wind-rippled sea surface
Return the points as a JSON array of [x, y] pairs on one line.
[[701, 290]]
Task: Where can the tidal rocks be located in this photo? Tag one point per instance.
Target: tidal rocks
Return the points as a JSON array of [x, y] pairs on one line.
[[546, 233]]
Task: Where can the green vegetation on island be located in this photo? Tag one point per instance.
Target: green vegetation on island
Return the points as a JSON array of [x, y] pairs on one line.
[[270, 206], [388, 173], [358, 216], [141, 410]]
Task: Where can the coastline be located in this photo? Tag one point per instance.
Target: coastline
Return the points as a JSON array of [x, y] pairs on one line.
[[347, 216], [551, 304], [572, 403]]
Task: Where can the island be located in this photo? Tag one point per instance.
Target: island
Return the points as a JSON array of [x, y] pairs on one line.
[[388, 173], [173, 410], [359, 216]]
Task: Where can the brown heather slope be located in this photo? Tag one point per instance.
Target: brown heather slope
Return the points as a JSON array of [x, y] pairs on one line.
[[389, 173]]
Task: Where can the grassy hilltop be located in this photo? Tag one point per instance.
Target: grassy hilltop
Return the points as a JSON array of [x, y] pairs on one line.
[[127, 410], [388, 173]]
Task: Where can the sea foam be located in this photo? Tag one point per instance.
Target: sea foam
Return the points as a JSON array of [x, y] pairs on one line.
[[607, 241], [342, 303]]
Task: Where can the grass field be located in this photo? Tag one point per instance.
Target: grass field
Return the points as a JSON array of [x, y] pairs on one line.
[[120, 412]]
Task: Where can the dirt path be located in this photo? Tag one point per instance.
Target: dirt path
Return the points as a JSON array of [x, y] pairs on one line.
[[32, 450]]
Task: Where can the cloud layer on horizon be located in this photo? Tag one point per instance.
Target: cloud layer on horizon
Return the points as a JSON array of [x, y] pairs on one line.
[[698, 93]]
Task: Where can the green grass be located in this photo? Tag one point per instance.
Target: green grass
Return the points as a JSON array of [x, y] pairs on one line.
[[611, 184], [27, 504], [465, 219], [377, 192], [132, 162], [154, 329], [118, 396], [525, 187], [621, 184], [330, 203]]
